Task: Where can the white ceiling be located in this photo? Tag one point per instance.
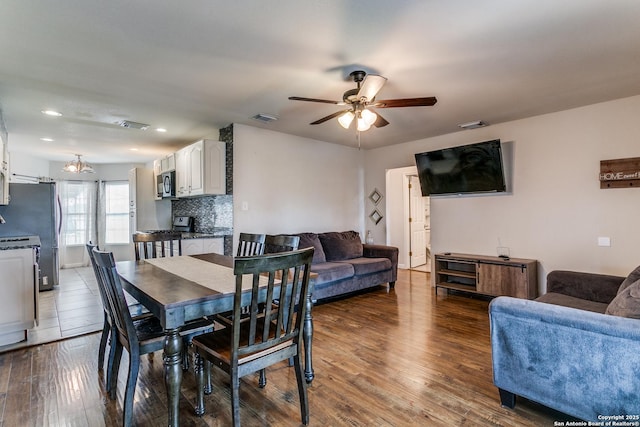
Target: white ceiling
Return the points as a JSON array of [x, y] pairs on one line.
[[196, 66]]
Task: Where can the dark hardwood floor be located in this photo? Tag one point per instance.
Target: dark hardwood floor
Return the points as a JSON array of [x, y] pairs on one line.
[[385, 358]]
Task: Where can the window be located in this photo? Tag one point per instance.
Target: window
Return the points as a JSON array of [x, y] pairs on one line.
[[78, 202], [116, 212]]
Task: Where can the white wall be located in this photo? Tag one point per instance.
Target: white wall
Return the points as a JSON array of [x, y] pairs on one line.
[[292, 184], [556, 210]]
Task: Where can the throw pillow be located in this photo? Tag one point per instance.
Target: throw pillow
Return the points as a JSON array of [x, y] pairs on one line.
[[341, 246], [308, 240], [631, 278], [626, 303]]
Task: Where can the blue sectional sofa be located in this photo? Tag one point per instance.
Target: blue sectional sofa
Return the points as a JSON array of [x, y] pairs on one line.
[[575, 349], [345, 265]]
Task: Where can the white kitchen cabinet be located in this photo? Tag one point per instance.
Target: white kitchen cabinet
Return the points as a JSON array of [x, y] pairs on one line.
[[203, 246], [18, 288], [201, 169], [168, 163]]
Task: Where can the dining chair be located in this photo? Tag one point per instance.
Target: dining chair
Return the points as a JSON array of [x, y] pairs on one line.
[[280, 243], [249, 346], [250, 244], [137, 311], [157, 244], [138, 337], [275, 244]]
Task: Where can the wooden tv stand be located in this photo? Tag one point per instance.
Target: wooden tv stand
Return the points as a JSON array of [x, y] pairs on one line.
[[487, 275]]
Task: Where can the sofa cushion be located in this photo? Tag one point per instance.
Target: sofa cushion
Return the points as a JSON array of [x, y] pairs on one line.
[[339, 246], [572, 302], [631, 278], [627, 303], [308, 240], [363, 266], [332, 271]]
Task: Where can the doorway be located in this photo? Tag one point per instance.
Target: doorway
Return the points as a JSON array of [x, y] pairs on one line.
[[419, 227], [412, 238]]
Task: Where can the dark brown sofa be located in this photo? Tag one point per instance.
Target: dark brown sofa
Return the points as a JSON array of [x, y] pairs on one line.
[[585, 291]]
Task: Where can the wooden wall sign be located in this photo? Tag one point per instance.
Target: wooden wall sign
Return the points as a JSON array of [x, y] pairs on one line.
[[620, 173]]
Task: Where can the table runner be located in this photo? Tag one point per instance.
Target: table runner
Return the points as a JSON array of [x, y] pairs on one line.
[[208, 274]]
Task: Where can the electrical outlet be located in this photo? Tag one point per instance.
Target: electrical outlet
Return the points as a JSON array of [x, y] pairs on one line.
[[604, 241]]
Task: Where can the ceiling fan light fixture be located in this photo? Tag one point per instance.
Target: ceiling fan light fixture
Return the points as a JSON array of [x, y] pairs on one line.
[[346, 119], [363, 125], [368, 116], [77, 166]]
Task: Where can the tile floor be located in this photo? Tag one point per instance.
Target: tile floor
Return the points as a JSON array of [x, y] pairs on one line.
[[73, 308]]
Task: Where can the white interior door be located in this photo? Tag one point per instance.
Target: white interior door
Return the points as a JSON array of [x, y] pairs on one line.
[[418, 223]]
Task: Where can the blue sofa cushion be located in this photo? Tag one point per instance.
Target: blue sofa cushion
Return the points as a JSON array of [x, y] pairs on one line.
[[332, 271], [627, 303], [363, 266], [339, 246], [308, 240]]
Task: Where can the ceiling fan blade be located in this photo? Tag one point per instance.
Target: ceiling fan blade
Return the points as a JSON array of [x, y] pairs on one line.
[[325, 101], [371, 84], [380, 121], [329, 117], [406, 102]]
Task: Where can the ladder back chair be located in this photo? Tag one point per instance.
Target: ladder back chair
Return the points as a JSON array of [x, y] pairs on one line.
[[157, 244], [137, 311], [138, 337], [250, 244], [280, 243], [252, 345], [275, 244]]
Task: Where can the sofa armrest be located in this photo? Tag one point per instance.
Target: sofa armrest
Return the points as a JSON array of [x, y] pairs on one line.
[[383, 251], [574, 361], [590, 286]]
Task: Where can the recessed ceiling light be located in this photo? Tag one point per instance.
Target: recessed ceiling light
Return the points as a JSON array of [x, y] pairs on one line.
[[51, 113], [133, 149], [47, 139], [161, 130]]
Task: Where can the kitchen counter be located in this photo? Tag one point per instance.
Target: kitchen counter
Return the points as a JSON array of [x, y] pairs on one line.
[[208, 234], [215, 234], [19, 242]]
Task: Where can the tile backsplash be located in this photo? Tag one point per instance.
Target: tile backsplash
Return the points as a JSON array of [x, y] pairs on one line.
[[209, 212]]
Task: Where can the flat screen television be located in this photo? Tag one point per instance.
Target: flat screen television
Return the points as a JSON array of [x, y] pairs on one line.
[[473, 168]]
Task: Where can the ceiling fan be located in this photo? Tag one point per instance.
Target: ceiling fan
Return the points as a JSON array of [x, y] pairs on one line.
[[361, 102]]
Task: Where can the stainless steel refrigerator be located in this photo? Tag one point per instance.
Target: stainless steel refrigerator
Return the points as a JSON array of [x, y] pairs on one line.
[[34, 209]]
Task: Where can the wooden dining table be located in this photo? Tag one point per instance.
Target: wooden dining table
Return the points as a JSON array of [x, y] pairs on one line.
[[184, 288]]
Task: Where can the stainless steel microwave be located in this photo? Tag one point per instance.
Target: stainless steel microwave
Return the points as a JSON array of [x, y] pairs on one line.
[[169, 184]]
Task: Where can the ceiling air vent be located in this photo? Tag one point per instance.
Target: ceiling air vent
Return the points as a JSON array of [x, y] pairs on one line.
[[133, 125], [473, 125], [265, 118]]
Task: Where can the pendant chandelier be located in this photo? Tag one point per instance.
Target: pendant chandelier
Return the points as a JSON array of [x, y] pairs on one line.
[[77, 166]]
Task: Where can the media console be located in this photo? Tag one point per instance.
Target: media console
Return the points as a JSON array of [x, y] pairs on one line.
[[487, 275]]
